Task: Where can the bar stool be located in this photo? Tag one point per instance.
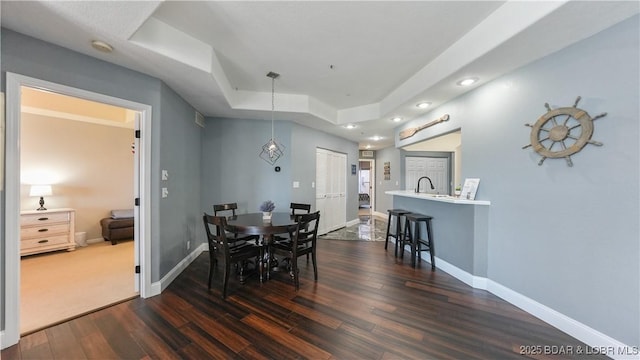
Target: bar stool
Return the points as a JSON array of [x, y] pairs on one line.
[[414, 239], [398, 213]]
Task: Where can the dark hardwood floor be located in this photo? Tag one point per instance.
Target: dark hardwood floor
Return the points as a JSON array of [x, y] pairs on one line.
[[366, 305]]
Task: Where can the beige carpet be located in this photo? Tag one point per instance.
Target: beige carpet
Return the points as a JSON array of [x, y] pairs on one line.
[[61, 285]]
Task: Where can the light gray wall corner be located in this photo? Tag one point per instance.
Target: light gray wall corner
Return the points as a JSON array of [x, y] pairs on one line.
[[179, 212], [481, 240]]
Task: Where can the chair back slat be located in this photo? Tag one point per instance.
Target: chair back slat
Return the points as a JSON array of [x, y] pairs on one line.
[[307, 233], [217, 237], [217, 208], [298, 206]]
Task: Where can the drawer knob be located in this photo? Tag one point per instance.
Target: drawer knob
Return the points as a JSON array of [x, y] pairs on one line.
[[43, 230], [43, 219], [43, 241]]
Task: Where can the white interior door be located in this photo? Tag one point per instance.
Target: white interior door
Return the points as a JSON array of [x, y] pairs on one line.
[[331, 185], [321, 188], [437, 169]]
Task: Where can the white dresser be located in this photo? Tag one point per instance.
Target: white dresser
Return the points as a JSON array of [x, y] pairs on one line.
[[47, 230]]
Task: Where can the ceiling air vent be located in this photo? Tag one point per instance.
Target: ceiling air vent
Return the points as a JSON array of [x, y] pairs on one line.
[[199, 119]]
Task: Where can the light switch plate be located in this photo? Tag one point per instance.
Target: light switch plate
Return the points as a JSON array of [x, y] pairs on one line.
[[165, 175], [165, 192], [296, 184]]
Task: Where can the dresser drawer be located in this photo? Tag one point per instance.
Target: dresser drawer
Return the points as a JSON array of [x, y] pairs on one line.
[[37, 219], [44, 230], [47, 230], [43, 242]]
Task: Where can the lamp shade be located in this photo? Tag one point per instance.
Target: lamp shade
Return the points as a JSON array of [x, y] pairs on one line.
[[40, 190]]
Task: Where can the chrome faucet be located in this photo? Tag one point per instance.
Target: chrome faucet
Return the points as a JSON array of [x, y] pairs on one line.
[[424, 177]]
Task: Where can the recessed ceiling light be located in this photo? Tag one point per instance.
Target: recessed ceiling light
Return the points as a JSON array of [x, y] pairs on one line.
[[376, 138], [467, 81], [368, 146], [101, 46], [350, 126], [423, 105], [396, 119]]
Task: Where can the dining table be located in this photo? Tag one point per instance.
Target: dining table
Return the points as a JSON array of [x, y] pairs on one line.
[[267, 229]]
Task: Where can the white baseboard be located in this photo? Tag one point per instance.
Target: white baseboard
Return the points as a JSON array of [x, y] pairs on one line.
[[600, 343], [159, 286], [95, 240], [353, 222]]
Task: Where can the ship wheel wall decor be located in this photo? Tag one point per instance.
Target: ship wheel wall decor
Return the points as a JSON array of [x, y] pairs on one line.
[[562, 132]]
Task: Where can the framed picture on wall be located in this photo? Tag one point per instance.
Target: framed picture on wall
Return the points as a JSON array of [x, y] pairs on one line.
[[353, 169]]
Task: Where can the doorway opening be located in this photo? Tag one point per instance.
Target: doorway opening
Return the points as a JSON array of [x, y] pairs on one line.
[[89, 176], [366, 188], [13, 186]]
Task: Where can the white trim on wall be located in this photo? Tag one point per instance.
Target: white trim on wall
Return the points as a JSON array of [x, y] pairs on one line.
[[599, 342], [14, 82], [159, 286]]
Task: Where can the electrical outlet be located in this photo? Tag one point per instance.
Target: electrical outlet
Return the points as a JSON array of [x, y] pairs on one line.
[[188, 244]]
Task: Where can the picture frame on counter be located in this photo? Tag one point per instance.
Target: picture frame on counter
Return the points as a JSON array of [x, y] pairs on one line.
[[470, 188]]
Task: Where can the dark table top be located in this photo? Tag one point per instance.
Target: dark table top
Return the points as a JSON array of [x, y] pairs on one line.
[[254, 224]]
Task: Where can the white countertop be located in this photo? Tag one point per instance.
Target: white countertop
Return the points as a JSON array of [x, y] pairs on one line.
[[433, 197]]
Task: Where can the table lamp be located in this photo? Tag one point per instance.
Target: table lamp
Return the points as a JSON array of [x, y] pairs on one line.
[[40, 190]]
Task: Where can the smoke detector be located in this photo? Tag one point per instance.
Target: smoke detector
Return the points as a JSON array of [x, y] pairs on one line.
[[101, 46]]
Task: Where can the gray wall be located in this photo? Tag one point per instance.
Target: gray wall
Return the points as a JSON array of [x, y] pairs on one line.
[[566, 237], [175, 141], [180, 155], [233, 172], [304, 143], [384, 202]]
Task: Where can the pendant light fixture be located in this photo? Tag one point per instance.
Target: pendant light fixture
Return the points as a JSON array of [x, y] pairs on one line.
[[272, 150]]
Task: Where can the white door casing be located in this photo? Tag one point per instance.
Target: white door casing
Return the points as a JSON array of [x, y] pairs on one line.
[[11, 260]]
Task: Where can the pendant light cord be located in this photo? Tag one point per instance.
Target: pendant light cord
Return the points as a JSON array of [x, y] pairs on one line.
[[273, 104]]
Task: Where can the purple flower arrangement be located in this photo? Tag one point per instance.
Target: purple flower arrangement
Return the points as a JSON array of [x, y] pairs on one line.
[[267, 206]]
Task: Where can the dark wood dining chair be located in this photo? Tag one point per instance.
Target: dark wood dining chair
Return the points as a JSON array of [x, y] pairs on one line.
[[303, 238], [220, 247], [229, 209], [298, 208]]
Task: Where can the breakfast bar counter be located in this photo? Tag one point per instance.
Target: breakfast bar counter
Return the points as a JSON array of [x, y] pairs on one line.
[[460, 229]]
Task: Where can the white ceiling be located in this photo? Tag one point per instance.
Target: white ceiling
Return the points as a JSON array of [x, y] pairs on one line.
[[341, 62]]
